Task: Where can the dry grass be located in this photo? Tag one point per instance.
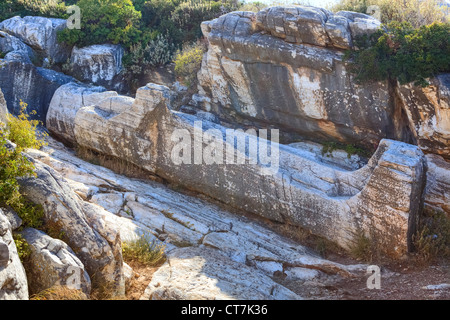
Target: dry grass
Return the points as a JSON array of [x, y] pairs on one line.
[[115, 164], [60, 293], [432, 240], [144, 249]]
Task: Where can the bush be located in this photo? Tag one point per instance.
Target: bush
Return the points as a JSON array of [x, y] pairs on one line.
[[14, 164], [144, 250], [158, 51], [46, 8], [23, 131], [400, 52], [23, 248], [105, 21], [416, 12], [188, 62]]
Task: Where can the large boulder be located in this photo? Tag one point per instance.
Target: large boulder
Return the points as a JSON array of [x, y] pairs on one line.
[[9, 43], [22, 81], [98, 64], [284, 66], [39, 33], [437, 195], [13, 279], [53, 263], [64, 211]]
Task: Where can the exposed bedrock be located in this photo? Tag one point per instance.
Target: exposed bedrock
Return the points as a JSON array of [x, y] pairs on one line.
[[284, 66], [3, 108], [381, 200], [22, 81], [39, 33], [280, 66], [13, 279], [428, 113], [98, 248]]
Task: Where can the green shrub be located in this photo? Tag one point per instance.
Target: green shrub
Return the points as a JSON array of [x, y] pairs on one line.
[[188, 62], [105, 21], [401, 52], [157, 52], [14, 164], [46, 8], [23, 248], [144, 250], [23, 131]]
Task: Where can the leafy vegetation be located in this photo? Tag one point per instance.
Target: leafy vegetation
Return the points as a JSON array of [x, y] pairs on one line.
[[401, 52], [113, 21], [417, 12], [13, 164], [23, 248], [188, 63], [46, 8]]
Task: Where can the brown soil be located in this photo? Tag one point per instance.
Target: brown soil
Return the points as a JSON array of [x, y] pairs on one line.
[[142, 277]]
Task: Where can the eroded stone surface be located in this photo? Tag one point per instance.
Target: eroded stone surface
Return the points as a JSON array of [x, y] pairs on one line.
[[179, 220], [98, 64], [284, 66], [205, 274], [13, 280], [63, 210], [3, 108], [53, 263], [39, 33], [331, 202], [428, 111]]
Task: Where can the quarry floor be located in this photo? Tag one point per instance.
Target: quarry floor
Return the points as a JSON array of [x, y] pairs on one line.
[[400, 280]]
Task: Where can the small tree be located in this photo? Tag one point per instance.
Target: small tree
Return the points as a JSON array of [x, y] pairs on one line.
[[113, 21]]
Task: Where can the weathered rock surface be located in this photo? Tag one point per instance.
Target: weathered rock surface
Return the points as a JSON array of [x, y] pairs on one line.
[[64, 211], [11, 44], [428, 111], [437, 193], [33, 85], [98, 64], [331, 202], [181, 220], [284, 66], [39, 33], [53, 263], [3, 108], [13, 280], [66, 102], [205, 274]]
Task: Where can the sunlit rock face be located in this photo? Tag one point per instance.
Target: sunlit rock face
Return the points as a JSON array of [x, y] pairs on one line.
[[39, 33], [428, 111], [381, 199], [284, 66], [98, 64]]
